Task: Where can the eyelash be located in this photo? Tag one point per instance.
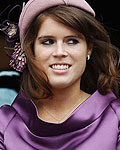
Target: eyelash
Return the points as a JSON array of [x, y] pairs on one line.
[[50, 42], [74, 41]]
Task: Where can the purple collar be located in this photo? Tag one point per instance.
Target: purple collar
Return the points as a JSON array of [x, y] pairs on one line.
[[83, 116]]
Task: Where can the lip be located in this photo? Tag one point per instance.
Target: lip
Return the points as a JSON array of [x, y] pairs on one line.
[[61, 64]]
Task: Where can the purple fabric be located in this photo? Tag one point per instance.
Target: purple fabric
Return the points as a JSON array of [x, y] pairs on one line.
[[94, 125]]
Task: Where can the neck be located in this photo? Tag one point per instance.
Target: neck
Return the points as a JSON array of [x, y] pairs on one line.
[[65, 98], [63, 103], [66, 94]]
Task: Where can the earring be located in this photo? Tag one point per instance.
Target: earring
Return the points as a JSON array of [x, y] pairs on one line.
[[88, 57]]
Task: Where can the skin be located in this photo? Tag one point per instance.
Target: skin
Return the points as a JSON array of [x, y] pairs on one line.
[[57, 44]]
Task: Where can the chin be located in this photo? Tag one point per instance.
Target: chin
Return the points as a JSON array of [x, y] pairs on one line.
[[61, 85]]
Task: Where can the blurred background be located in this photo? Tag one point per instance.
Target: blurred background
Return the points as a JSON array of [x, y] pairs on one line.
[[107, 13]]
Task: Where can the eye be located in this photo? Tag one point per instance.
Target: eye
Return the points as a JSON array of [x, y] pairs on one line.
[[48, 42], [72, 41]]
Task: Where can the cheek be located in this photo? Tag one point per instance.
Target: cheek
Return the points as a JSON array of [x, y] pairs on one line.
[[79, 56], [41, 55], [80, 61]]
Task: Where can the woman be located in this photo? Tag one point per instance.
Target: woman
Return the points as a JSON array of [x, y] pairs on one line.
[[70, 82]]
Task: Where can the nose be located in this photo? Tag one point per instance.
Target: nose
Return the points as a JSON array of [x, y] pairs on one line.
[[60, 50]]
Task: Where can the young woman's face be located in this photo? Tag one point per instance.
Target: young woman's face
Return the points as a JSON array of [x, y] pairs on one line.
[[61, 52]]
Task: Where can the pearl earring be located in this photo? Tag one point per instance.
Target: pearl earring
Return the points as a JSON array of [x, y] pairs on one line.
[[88, 57]]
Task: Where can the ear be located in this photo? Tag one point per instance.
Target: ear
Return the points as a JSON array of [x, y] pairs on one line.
[[90, 49]]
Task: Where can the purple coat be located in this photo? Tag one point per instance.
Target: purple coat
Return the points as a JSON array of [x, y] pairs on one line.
[[94, 125]]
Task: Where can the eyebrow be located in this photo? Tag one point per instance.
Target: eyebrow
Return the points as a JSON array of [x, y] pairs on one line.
[[45, 37], [49, 36]]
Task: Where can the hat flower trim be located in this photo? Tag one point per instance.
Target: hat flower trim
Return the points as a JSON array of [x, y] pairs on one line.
[[18, 58], [11, 30]]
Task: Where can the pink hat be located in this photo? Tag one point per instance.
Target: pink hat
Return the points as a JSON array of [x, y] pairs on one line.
[[34, 7]]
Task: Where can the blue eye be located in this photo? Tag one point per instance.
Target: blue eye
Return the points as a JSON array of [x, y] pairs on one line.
[[48, 42], [72, 41]]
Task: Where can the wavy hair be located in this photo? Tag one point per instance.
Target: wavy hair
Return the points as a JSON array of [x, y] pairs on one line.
[[102, 70]]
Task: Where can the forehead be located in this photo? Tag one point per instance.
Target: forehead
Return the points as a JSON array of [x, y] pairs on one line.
[[50, 25]]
